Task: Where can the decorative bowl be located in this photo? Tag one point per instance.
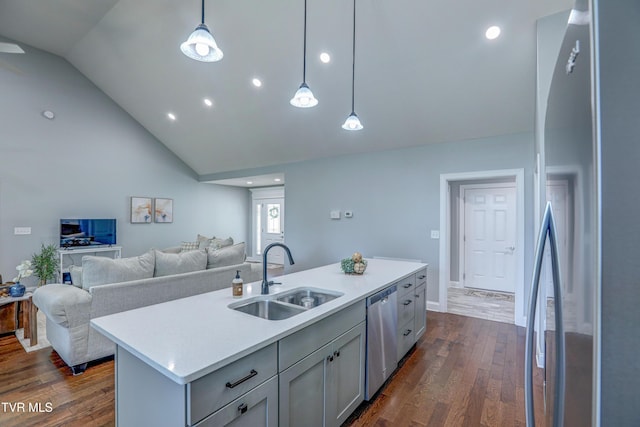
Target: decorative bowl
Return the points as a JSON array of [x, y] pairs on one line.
[[348, 266]]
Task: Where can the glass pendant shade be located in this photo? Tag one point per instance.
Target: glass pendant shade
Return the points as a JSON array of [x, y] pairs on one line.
[[201, 46], [352, 122], [304, 97]]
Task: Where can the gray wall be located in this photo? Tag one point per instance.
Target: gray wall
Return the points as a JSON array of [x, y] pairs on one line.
[[394, 196], [87, 163], [619, 101]]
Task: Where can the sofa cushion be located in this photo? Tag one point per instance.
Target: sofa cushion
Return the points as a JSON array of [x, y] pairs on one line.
[[101, 270], [184, 262], [189, 246], [76, 275], [228, 255], [219, 243], [204, 241]]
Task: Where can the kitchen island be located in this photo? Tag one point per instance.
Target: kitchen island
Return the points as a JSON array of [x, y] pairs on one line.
[[170, 357]]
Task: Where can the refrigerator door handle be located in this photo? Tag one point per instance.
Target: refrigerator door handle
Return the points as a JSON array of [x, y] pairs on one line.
[[546, 228]]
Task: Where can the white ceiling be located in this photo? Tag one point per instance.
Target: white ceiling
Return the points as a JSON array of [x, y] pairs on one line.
[[424, 71]]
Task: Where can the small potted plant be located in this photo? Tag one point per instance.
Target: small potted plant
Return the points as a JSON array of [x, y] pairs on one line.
[[45, 264]]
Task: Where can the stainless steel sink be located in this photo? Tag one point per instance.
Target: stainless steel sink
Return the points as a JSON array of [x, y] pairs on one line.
[[268, 309], [284, 305], [307, 297]]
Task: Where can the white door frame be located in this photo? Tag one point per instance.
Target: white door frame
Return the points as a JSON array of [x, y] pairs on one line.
[[462, 218], [445, 233], [261, 194]]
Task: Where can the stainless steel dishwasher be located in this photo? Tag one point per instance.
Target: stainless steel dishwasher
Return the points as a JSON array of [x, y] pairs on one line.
[[382, 341]]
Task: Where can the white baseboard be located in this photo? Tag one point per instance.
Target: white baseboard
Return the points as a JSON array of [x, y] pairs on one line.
[[454, 284], [433, 306]]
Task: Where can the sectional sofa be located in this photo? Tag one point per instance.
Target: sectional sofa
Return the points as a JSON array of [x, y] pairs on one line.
[[113, 285]]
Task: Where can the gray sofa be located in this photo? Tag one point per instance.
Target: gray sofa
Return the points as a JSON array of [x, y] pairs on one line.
[[111, 286]]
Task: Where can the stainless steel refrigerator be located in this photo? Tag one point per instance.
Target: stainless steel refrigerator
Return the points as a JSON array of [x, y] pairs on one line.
[[586, 280]]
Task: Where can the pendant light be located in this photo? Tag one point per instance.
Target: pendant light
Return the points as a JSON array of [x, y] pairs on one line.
[[200, 45], [304, 97], [353, 122]]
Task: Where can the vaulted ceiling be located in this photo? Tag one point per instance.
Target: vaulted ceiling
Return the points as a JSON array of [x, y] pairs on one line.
[[425, 73]]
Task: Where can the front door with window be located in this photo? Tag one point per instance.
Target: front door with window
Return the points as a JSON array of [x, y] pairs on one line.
[[272, 228]]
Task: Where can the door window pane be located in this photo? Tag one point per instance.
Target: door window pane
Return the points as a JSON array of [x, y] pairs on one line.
[[273, 218], [258, 228]]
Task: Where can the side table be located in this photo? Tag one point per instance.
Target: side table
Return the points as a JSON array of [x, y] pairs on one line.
[[19, 311]]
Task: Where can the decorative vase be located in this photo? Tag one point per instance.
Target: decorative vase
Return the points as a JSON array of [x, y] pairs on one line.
[[17, 290]]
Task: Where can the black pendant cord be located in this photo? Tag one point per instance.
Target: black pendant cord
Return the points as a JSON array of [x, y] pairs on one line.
[[353, 64], [203, 11], [304, 49]]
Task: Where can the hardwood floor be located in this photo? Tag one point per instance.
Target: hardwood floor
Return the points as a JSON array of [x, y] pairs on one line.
[[463, 372]]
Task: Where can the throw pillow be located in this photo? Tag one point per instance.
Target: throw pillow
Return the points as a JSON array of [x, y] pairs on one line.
[[204, 241], [101, 270], [184, 262], [220, 243], [189, 246], [228, 255], [76, 275]]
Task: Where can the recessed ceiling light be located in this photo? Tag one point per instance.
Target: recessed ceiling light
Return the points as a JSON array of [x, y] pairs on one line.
[[325, 57], [256, 82], [207, 102], [249, 182], [171, 116], [277, 179], [49, 114], [492, 32]]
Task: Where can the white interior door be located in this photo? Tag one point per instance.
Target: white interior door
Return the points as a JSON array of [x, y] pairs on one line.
[[489, 237], [272, 228]]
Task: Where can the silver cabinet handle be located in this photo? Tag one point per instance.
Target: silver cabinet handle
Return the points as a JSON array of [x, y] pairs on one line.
[[422, 277], [407, 285]]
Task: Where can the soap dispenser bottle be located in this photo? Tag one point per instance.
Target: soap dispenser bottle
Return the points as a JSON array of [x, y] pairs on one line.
[[236, 284]]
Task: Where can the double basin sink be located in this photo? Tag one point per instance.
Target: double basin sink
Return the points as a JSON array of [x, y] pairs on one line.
[[286, 304]]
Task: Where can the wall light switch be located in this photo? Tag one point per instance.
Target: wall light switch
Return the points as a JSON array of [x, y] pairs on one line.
[[335, 215], [21, 230], [348, 214], [435, 234]]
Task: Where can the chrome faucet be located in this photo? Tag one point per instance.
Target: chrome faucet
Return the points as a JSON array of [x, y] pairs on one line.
[[265, 282]]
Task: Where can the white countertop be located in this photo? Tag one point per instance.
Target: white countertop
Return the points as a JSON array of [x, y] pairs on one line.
[[188, 338]]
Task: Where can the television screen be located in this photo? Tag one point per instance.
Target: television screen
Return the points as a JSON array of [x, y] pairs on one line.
[[87, 232]]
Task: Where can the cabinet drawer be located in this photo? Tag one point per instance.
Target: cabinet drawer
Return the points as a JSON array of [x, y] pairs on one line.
[[304, 342], [421, 277], [211, 392], [257, 408], [406, 285], [406, 308], [406, 339]]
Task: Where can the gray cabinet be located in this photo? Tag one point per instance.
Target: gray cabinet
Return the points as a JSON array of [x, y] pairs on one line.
[[213, 391], [406, 315], [420, 316], [257, 408], [241, 392], [326, 386], [412, 310]]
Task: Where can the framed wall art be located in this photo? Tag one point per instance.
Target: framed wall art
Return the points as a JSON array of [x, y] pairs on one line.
[[141, 210], [163, 210]]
